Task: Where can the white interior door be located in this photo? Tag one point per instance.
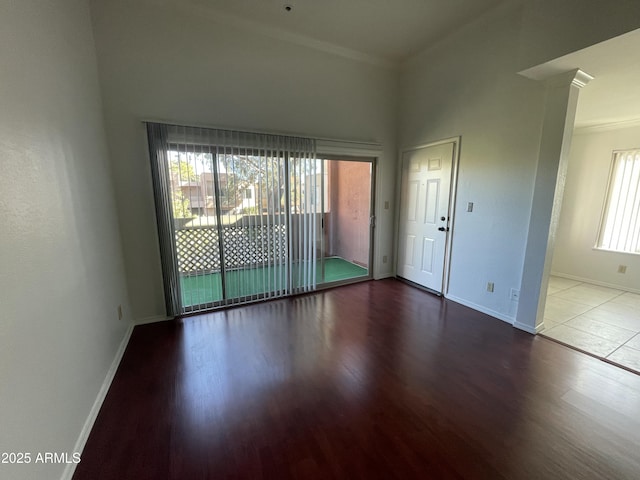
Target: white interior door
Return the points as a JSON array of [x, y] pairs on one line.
[[424, 214]]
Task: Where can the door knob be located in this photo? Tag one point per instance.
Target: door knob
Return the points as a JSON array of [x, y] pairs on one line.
[[441, 229]]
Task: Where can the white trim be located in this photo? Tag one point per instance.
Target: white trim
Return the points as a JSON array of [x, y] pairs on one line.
[[595, 282], [69, 470], [606, 126], [481, 309], [528, 329], [384, 275], [608, 250], [153, 319], [430, 144], [581, 79], [575, 77], [453, 190]]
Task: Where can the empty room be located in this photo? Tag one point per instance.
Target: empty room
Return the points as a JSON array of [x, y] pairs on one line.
[[303, 239]]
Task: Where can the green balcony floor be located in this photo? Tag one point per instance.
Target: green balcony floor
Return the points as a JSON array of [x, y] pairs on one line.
[[207, 288]]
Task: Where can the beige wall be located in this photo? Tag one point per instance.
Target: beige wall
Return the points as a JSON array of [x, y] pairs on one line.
[[61, 268], [585, 191]]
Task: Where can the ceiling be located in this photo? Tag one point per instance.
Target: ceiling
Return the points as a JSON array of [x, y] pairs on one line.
[[388, 31], [613, 96]]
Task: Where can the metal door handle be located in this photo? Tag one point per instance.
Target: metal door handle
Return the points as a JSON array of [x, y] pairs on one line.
[[443, 229]]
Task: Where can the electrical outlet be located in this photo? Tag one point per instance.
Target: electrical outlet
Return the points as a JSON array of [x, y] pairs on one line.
[[470, 207], [514, 295], [119, 312], [490, 287], [622, 269], [386, 204], [385, 259]]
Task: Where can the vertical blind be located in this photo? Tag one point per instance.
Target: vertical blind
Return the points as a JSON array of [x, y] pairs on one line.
[[621, 223], [236, 216]]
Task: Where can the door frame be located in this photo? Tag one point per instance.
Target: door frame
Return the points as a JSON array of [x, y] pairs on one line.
[[373, 162], [455, 162]]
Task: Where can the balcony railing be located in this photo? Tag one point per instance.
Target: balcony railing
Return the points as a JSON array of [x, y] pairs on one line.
[[243, 244]]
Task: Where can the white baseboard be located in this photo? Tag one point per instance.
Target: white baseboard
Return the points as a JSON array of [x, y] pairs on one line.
[[527, 328], [67, 474], [154, 319], [384, 275], [480, 308], [594, 282]]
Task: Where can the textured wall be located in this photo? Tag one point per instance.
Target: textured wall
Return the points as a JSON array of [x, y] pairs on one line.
[[61, 269]]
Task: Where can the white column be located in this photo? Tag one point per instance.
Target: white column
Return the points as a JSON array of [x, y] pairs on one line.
[[555, 144]]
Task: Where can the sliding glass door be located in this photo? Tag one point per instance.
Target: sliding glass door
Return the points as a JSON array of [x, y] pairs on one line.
[[245, 216], [231, 226], [346, 188]]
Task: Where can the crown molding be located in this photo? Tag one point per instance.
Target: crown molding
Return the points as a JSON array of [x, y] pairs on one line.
[[606, 126], [581, 79], [225, 18], [575, 77]]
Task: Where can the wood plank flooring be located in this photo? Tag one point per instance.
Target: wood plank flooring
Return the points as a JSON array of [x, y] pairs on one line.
[[373, 380]]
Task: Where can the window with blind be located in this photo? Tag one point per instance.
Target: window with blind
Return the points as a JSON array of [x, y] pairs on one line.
[[620, 226]]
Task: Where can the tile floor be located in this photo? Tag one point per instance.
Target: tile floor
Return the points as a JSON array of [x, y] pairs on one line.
[[599, 320]]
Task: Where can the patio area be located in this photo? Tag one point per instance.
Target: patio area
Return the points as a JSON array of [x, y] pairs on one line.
[[240, 283]]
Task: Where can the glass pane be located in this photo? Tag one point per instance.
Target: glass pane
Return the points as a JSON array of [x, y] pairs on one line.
[[254, 234], [197, 243], [346, 188]]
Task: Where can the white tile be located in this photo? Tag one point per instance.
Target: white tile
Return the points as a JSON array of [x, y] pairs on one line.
[[588, 294], [634, 342], [582, 340], [559, 283], [600, 329], [629, 357], [548, 324], [588, 287], [560, 310], [628, 298], [604, 314], [621, 309]]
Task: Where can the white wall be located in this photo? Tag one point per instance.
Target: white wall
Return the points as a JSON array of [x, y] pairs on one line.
[[468, 85], [585, 191], [159, 63], [61, 269]]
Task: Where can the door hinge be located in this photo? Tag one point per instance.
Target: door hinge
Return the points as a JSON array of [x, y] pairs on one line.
[[372, 220]]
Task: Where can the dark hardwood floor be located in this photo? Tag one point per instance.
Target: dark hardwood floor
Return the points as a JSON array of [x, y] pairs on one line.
[[373, 380]]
